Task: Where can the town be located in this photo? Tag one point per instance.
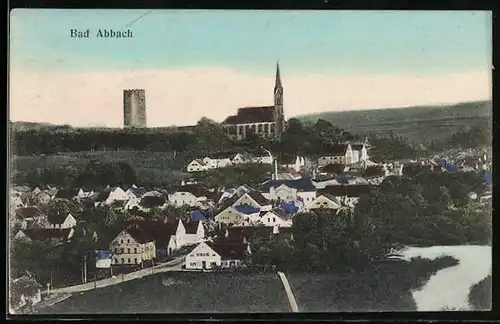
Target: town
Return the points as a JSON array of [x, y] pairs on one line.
[[258, 193]]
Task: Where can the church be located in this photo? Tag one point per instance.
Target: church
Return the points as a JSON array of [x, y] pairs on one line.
[[266, 121]]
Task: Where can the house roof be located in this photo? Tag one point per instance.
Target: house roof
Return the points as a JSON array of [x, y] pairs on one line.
[[191, 226], [152, 201], [66, 193], [237, 233], [153, 230], [249, 115], [281, 214], [299, 184], [198, 215], [258, 197], [357, 146], [140, 234], [246, 209], [138, 192], [57, 219], [333, 149], [103, 195], [199, 161], [221, 155], [346, 190], [229, 250], [289, 207], [196, 189], [27, 212], [41, 234]]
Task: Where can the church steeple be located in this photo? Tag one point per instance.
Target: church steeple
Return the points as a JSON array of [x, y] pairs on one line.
[[278, 78]]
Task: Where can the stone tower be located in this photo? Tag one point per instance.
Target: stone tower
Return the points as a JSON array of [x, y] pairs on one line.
[[279, 115], [134, 108]]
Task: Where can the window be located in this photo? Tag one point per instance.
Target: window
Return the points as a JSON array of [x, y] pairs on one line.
[[123, 260], [121, 241], [213, 264], [213, 254], [193, 264], [135, 260], [135, 250], [128, 260], [274, 220], [128, 240], [128, 250]]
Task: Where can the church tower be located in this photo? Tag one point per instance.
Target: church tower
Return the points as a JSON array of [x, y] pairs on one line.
[[279, 116]]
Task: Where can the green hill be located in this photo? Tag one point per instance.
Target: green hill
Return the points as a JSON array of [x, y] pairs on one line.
[[417, 124]]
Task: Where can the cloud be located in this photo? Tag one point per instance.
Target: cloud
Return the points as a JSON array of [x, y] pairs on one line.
[[182, 96]]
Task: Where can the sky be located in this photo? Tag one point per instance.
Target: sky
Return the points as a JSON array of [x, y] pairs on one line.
[[197, 63]]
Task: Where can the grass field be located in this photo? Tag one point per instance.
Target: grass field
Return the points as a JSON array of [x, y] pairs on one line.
[[187, 292], [417, 124], [150, 167]]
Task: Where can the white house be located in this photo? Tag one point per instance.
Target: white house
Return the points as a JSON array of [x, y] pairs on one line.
[[322, 202], [56, 235], [189, 194], [209, 255], [132, 246], [218, 160], [289, 190], [263, 158], [240, 158], [276, 218], [254, 199], [36, 191], [61, 221], [109, 196], [230, 216], [188, 233], [339, 153], [197, 165], [84, 194]]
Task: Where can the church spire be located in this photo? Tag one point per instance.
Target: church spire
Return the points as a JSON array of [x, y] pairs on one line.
[[278, 78]]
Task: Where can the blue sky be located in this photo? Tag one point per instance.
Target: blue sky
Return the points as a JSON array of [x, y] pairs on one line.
[[324, 42]]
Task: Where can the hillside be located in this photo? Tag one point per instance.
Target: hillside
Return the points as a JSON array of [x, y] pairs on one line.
[[417, 124]]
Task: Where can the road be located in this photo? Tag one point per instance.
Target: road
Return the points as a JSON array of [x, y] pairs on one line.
[[289, 293], [174, 265]]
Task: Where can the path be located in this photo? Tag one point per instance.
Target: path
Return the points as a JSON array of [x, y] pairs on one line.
[[174, 265], [289, 293]]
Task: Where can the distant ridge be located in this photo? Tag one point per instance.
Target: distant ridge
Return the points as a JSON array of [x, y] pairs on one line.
[[418, 124]]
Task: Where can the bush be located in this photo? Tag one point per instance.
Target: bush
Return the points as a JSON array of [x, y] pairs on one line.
[[480, 295]]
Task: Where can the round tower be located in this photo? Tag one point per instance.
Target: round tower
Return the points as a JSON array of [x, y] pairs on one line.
[[134, 108]]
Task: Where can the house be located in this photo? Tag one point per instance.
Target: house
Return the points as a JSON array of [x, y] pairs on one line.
[[263, 158], [41, 198], [210, 255], [230, 216], [108, 196], [188, 233], [289, 190], [26, 215], [254, 199], [82, 194], [24, 292], [276, 218], [360, 152], [52, 192], [336, 153], [52, 235], [36, 191], [323, 201], [291, 207], [16, 202], [245, 234], [219, 160], [136, 192], [61, 221], [133, 246], [66, 194], [252, 215], [189, 194], [295, 164], [197, 165], [240, 158], [161, 232], [346, 194]]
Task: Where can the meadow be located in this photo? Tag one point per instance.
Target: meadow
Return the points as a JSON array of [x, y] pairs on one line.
[[417, 124], [150, 167]]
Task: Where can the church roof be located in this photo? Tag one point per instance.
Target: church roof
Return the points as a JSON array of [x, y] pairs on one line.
[[248, 115]]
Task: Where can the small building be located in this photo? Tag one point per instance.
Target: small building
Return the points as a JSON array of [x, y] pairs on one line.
[[61, 221], [254, 199], [324, 201], [276, 218], [289, 190], [230, 216], [190, 194], [26, 215], [210, 255], [109, 196], [133, 246], [337, 153], [51, 235], [197, 165]]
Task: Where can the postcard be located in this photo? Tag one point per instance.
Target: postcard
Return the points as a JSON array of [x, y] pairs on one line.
[[203, 161]]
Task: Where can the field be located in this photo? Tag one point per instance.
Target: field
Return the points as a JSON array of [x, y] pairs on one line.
[[417, 124], [183, 292], [150, 167]]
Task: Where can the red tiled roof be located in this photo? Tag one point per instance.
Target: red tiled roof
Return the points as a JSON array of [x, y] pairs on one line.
[[229, 250], [47, 233], [259, 198], [249, 115], [27, 212]]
